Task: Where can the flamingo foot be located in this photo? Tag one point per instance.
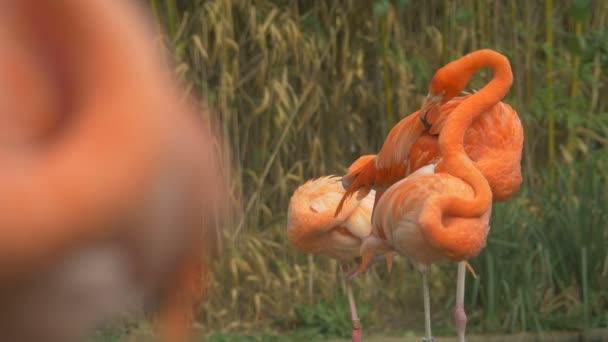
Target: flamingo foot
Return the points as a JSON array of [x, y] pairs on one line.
[[461, 321], [356, 333]]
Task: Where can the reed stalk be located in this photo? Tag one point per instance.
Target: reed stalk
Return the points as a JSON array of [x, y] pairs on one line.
[[388, 91], [550, 83]]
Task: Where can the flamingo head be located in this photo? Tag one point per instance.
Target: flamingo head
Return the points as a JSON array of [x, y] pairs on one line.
[[449, 81], [446, 84]]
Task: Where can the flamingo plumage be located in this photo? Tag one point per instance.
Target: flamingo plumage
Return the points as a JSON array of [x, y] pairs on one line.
[[494, 143], [107, 174]]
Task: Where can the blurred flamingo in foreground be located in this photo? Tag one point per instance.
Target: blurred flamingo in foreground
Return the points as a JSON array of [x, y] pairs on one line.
[[442, 212], [312, 227], [107, 177]]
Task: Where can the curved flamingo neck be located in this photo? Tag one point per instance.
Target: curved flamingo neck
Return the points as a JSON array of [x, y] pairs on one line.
[[451, 142], [452, 139]]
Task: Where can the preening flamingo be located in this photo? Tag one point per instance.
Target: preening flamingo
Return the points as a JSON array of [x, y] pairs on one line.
[[487, 147], [398, 216], [494, 142], [495, 148], [480, 142], [312, 227], [107, 176]]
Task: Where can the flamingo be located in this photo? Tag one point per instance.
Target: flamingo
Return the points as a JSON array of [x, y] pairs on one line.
[[312, 227], [413, 143], [494, 142], [106, 174], [478, 136]]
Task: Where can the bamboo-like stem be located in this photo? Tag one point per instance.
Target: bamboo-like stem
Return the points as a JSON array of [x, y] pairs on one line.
[[311, 278], [492, 13], [388, 101], [172, 19], [447, 14], [481, 23], [585, 286], [154, 9], [597, 66], [573, 103], [522, 80], [474, 24], [517, 70], [550, 83], [574, 88], [529, 52]]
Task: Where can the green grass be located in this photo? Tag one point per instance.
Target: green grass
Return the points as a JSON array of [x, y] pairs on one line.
[[322, 319], [547, 248]]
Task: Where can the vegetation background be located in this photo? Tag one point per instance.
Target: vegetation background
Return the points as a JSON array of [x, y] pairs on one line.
[[301, 88]]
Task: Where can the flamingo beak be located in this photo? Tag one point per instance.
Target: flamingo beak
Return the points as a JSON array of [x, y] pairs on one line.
[[430, 110], [345, 183]]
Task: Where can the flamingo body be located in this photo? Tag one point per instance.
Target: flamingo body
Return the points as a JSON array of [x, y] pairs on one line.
[[312, 227], [494, 143], [399, 211], [107, 175]]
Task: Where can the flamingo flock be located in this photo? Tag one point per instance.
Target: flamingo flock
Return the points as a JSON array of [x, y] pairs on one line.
[[435, 178], [108, 177]]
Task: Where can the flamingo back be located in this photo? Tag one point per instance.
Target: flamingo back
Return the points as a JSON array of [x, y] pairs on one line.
[[312, 226], [494, 142]]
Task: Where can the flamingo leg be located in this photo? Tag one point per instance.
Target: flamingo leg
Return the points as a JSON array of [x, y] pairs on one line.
[[459, 315], [428, 336], [356, 332], [177, 311]]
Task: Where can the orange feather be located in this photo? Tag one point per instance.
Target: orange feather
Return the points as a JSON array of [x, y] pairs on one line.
[[359, 177], [494, 142]]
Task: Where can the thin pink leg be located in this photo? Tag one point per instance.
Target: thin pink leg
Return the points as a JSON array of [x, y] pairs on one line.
[[460, 316], [356, 332], [353, 313], [428, 335]]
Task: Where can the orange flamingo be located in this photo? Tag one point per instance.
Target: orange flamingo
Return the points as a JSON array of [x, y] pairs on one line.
[[480, 145], [106, 176], [494, 143], [413, 143], [312, 227]]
